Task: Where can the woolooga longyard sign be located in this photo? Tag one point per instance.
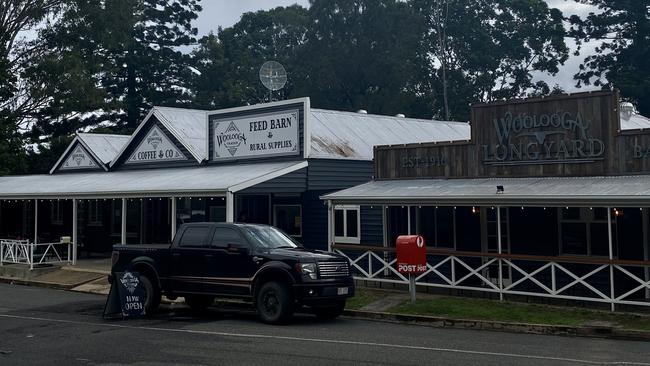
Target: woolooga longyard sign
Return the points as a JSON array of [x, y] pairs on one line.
[[574, 135], [560, 137]]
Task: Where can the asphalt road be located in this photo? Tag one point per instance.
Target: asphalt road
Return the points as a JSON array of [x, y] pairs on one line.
[[51, 327]]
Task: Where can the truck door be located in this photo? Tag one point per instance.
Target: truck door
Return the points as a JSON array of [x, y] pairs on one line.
[[188, 259], [230, 267]]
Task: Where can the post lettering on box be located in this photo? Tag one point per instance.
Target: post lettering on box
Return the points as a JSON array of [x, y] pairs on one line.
[[411, 254]]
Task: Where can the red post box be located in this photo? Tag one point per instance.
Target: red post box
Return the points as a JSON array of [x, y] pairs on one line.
[[411, 254]]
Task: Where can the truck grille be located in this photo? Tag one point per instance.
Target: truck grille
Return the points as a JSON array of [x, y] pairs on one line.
[[333, 269]]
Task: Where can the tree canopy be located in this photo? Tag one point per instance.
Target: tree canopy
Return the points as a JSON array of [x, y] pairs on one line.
[[101, 64], [621, 59]]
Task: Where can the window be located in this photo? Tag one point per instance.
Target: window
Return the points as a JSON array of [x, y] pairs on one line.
[[190, 209], [95, 214], [194, 236], [56, 213], [583, 231], [347, 224], [288, 218], [224, 236]]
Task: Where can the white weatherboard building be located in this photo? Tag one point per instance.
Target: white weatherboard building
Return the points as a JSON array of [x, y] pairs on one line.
[[266, 163]]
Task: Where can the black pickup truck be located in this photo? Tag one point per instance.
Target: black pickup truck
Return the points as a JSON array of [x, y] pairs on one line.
[[258, 263]]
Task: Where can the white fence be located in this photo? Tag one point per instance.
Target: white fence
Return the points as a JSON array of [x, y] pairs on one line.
[[571, 278], [24, 252]]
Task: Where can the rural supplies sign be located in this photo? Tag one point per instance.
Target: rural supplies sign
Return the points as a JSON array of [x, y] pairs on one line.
[[155, 147], [261, 135]]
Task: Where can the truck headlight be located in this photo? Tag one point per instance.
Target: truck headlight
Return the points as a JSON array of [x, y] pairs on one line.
[[307, 269]]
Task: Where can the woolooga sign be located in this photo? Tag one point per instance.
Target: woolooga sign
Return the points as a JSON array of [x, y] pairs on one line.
[[567, 135], [560, 137]]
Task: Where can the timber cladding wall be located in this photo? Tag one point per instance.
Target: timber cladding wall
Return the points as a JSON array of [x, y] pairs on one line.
[[569, 135]]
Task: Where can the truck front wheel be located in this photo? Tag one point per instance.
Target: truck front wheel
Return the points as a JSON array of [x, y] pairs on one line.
[[152, 294], [274, 303]]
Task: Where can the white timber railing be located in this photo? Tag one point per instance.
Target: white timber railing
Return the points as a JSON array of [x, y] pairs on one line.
[[24, 252], [571, 278]]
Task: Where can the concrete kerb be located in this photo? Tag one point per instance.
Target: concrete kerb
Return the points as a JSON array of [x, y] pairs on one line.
[[562, 330], [17, 281]]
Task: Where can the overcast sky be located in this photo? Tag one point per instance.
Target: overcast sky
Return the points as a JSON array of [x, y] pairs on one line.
[[225, 13]]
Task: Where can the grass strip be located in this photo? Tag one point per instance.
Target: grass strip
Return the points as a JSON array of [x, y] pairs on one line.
[[507, 311]]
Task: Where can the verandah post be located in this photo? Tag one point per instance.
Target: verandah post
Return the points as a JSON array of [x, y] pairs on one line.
[[173, 218], [330, 237], [611, 257], [31, 247], [75, 243], [123, 221], [230, 207], [499, 251]]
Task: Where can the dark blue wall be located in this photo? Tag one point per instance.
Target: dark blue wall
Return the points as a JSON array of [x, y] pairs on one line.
[[325, 176]]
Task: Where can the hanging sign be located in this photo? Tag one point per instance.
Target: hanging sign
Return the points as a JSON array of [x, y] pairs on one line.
[[78, 159], [155, 147], [270, 134]]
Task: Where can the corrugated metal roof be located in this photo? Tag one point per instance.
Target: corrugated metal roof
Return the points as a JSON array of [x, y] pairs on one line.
[[189, 126], [104, 146], [634, 121], [349, 135], [147, 182], [559, 191]]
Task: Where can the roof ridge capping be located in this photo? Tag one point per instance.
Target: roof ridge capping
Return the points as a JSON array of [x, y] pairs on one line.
[[103, 134], [387, 116]]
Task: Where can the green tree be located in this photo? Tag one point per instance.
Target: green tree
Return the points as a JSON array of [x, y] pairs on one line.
[[621, 60], [17, 104], [229, 62], [119, 57], [485, 50], [361, 54]]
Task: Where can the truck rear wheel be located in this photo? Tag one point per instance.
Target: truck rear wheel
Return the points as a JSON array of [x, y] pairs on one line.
[[329, 312], [274, 303], [152, 294], [199, 302]]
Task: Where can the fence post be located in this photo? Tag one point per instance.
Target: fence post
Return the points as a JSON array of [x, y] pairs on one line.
[[553, 284], [31, 255], [2, 252]]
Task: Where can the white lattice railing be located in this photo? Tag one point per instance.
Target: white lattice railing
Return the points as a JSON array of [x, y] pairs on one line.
[[24, 252], [571, 278]]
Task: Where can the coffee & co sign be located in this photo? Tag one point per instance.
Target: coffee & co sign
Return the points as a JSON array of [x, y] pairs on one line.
[[270, 134], [155, 147]]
